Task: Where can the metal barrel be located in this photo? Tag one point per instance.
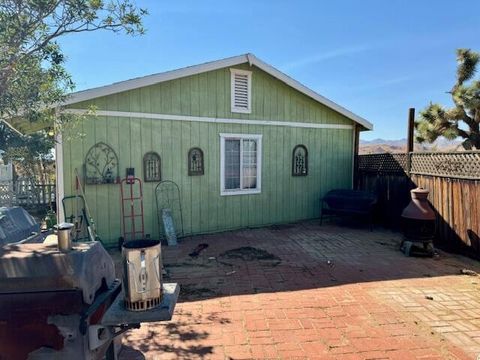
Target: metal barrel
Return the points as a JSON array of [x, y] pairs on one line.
[[142, 274], [63, 236]]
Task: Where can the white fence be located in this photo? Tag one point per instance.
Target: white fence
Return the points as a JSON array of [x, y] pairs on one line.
[[6, 173], [26, 194]]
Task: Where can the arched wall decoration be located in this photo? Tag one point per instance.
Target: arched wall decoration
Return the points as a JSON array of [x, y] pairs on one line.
[[152, 167], [300, 161], [101, 165], [195, 162]]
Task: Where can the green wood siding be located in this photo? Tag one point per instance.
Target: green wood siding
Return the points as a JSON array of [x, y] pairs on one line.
[[208, 94], [283, 198]]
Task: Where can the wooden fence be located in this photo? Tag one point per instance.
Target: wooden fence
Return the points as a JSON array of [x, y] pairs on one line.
[[26, 194], [454, 183]]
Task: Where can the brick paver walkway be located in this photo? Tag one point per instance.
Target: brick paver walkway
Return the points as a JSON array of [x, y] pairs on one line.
[[327, 292]]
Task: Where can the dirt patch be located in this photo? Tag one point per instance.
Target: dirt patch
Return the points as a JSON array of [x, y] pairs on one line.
[[248, 253], [186, 264], [191, 292]]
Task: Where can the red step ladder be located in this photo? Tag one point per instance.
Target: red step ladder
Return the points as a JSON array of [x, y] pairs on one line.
[[132, 209]]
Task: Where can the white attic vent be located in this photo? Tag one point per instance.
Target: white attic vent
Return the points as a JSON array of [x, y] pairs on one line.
[[241, 83]]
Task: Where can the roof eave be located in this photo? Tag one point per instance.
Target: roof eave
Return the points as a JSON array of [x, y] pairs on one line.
[[152, 79], [210, 66]]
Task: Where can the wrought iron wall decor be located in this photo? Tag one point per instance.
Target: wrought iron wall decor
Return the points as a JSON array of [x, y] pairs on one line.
[[101, 165], [152, 167], [300, 161], [195, 162]]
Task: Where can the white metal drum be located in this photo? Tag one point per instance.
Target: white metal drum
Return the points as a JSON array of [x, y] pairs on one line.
[[142, 275]]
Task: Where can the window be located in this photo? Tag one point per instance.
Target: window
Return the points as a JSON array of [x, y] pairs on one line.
[[240, 165], [300, 161], [195, 162], [151, 167], [241, 84]]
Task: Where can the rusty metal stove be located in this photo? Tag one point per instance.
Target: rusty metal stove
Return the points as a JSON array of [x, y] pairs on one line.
[[65, 305], [418, 220]]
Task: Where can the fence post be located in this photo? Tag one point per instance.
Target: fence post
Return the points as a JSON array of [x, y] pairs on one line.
[[410, 129]]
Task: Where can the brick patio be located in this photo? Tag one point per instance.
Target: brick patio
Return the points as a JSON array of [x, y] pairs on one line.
[[318, 292]]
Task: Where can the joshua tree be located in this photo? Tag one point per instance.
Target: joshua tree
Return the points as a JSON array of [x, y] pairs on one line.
[[462, 120]]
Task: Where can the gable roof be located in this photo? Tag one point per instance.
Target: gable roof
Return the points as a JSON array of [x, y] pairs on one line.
[[210, 66]]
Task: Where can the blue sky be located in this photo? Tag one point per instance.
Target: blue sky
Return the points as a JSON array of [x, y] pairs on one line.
[[376, 58]]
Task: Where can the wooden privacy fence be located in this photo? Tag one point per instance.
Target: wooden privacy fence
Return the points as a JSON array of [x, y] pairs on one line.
[[385, 175], [453, 180]]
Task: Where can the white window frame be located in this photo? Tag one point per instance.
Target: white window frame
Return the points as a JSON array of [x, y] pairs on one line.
[[258, 139], [232, 91]]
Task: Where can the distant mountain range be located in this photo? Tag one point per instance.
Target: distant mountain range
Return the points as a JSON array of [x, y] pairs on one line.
[[398, 146]]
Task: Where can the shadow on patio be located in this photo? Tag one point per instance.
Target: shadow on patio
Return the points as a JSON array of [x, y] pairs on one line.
[[295, 257], [238, 286]]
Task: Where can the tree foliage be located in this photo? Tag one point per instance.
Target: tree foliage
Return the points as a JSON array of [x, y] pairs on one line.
[[39, 144], [32, 73], [462, 120], [28, 153]]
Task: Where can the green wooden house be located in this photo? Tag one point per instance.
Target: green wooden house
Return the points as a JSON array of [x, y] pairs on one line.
[[246, 144]]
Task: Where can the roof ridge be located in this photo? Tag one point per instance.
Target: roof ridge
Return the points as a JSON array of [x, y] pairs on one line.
[[156, 78]]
